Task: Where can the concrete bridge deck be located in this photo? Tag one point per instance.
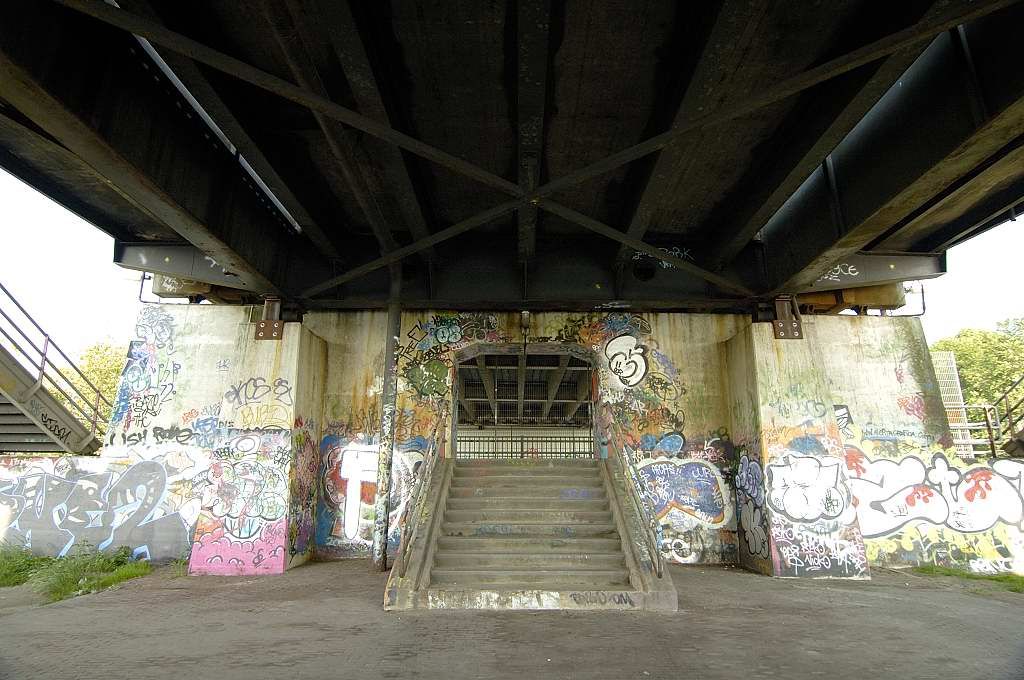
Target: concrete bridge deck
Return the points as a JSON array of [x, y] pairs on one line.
[[325, 620]]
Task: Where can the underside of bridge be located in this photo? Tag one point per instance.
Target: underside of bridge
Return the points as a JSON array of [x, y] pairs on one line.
[[520, 155], [515, 260]]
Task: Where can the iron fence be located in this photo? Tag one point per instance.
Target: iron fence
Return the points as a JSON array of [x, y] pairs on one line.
[[525, 446]]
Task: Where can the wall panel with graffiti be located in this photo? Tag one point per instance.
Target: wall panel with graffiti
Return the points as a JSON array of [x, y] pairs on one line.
[[917, 502], [55, 506]]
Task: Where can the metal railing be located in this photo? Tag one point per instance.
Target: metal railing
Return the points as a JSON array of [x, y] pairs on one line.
[[35, 350], [990, 426], [525, 446], [1010, 403], [651, 529]]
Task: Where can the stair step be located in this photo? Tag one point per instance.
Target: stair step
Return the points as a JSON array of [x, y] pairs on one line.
[[529, 545], [527, 596], [525, 503], [592, 579], [527, 462], [577, 561], [564, 481], [514, 516], [497, 529], [526, 491], [525, 471]]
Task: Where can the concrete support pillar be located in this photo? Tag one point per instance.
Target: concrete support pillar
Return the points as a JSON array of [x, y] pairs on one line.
[[797, 516], [257, 506], [382, 506]]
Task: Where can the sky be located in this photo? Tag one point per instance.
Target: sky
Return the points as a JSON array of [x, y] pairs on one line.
[[60, 268]]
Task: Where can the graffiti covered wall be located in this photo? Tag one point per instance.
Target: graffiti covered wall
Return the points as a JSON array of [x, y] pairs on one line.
[[794, 458], [348, 445], [147, 488], [256, 515], [744, 413], [916, 501], [148, 502], [211, 453], [810, 514]]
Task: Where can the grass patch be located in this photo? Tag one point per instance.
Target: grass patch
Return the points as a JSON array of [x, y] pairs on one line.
[[179, 567], [17, 565], [87, 571], [1012, 582]]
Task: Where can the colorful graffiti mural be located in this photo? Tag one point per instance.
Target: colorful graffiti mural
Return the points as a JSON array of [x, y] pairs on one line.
[[687, 483], [346, 516], [52, 506], [812, 527], [302, 490], [241, 528], [923, 505]]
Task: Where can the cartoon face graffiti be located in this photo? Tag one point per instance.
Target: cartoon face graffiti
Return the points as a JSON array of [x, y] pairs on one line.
[[626, 360], [807, 488]]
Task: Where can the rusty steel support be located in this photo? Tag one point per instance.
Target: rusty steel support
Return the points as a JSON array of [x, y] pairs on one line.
[[382, 502]]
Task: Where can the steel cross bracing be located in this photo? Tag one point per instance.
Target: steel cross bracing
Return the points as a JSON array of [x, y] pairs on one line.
[[522, 195]]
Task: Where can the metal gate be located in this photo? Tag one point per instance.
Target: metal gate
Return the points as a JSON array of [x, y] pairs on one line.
[[517, 405]]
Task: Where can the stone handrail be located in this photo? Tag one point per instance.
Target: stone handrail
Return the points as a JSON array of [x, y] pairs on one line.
[[651, 531], [414, 510]]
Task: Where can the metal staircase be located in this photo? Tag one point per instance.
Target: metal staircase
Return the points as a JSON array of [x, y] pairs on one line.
[[46, 403], [529, 534], [994, 428]]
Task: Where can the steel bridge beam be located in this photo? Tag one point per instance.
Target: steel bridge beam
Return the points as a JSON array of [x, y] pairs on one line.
[[933, 147], [901, 40], [204, 93]]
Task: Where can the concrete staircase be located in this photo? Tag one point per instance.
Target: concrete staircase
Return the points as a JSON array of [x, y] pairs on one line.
[[530, 534]]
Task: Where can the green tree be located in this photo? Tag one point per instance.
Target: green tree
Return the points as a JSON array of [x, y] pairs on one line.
[[988, 361], [102, 364]]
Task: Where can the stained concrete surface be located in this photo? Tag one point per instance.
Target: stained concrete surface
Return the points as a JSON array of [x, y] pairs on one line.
[[325, 620]]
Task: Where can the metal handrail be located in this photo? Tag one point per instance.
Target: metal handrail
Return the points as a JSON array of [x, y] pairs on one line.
[[92, 407], [999, 422], [651, 532]]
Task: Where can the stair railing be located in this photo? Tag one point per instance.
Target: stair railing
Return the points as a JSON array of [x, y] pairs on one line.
[[1011, 401], [410, 518], [974, 425], [650, 530], [990, 425], [49, 364]]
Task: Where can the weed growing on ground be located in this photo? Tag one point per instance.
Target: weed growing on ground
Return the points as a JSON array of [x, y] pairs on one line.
[[179, 567], [1012, 582], [87, 571], [18, 564]]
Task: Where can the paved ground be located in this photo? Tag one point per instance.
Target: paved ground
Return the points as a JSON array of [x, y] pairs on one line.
[[325, 620]]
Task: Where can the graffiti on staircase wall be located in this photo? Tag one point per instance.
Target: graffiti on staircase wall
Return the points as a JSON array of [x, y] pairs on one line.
[[687, 481]]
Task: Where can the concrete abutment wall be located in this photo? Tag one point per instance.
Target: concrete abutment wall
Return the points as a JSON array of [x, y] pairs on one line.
[[810, 458]]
